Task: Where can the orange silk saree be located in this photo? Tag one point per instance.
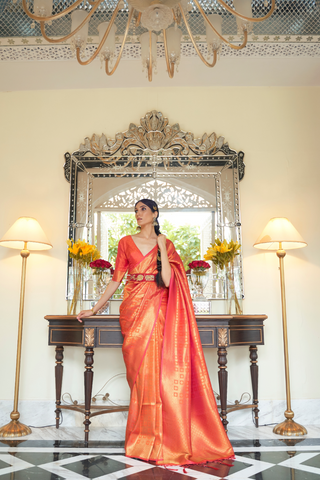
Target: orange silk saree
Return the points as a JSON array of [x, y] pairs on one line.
[[173, 417]]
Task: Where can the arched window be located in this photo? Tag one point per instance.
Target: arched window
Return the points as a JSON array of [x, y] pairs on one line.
[[186, 217]]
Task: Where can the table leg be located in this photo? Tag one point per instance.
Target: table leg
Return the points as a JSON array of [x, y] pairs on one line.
[[223, 384], [254, 381], [58, 379], [88, 379]]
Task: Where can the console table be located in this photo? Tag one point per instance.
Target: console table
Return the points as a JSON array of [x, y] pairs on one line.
[[103, 331]]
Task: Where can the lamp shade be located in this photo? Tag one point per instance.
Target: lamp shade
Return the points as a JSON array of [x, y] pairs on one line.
[[243, 7], [26, 229], [42, 8], [109, 46], [279, 230], [145, 48], [174, 35], [79, 38], [216, 21]]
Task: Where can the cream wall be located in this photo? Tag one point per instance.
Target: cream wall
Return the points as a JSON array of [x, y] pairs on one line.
[[278, 130]]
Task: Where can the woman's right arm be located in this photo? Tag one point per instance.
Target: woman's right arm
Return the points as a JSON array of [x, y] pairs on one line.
[[109, 291], [121, 267]]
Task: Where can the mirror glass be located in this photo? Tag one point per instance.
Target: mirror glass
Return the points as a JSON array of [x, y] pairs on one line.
[[195, 183]]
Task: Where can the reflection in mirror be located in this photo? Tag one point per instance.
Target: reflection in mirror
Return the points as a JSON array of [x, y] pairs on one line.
[[194, 181]]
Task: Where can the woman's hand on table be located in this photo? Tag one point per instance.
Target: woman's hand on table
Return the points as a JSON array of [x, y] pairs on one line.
[[84, 314]]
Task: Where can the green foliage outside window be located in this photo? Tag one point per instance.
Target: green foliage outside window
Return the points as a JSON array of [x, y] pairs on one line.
[[185, 237], [186, 240]]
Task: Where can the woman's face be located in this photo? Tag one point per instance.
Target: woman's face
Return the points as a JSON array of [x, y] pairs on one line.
[[144, 214]]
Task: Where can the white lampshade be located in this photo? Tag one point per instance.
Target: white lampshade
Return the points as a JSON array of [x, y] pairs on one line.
[[279, 230], [109, 45], [216, 21], [145, 54], [174, 35], [42, 8], [26, 229], [80, 38]]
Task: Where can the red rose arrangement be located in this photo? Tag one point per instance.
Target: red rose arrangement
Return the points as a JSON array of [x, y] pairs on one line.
[[198, 265], [100, 264]]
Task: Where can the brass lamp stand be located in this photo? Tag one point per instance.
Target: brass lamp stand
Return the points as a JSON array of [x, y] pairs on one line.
[[280, 233], [25, 232]]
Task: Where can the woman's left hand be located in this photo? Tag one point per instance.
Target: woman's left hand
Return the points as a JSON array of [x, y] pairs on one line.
[[162, 242]]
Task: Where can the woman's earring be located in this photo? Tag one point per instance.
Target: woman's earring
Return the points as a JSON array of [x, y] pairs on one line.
[[154, 223], [138, 228]]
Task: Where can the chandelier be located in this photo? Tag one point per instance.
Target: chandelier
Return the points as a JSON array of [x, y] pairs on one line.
[[164, 16]]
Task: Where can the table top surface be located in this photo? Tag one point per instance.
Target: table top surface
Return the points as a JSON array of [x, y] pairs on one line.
[[110, 317]]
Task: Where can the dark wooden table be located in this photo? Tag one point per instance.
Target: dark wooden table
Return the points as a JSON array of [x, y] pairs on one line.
[[103, 331]]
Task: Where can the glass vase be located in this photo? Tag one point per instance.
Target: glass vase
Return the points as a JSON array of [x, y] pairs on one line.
[[232, 301], [101, 278], [75, 299], [199, 279]]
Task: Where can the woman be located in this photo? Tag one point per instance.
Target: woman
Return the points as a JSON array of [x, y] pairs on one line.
[[173, 417]]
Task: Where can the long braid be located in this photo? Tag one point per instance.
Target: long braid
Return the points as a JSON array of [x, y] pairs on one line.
[[159, 280]]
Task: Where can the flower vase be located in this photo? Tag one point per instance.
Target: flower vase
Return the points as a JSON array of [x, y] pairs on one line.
[[75, 302], [199, 279], [232, 301], [100, 282]]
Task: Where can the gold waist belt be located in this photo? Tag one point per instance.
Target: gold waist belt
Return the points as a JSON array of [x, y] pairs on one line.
[[141, 277]]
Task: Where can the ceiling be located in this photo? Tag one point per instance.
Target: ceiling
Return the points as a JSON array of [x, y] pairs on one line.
[[282, 51]]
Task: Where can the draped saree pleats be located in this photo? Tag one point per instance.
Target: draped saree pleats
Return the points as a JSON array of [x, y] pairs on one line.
[[173, 418]]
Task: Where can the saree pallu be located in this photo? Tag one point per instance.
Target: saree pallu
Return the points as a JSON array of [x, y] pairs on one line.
[[173, 417]]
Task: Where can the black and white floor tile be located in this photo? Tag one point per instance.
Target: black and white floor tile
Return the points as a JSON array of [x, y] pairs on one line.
[[256, 458]]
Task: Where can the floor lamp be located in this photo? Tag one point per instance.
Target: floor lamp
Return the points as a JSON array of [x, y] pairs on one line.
[[25, 234], [280, 235]]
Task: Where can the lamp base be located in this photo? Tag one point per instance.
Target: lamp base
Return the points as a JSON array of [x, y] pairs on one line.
[[15, 429], [290, 428]]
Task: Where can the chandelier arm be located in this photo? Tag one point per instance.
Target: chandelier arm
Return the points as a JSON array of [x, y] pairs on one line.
[[255, 20], [52, 17], [195, 45], [170, 65], [98, 50], [234, 47], [150, 57], [122, 46], [59, 40], [138, 19], [174, 16]]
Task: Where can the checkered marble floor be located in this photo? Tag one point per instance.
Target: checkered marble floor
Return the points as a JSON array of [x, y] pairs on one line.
[[259, 459]]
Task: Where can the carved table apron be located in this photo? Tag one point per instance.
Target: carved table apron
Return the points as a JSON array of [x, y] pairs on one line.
[[103, 331]]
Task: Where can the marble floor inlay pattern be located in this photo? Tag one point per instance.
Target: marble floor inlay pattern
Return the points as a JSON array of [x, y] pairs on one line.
[[259, 455]]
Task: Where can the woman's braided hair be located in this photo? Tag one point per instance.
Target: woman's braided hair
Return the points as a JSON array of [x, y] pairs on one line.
[[154, 208]]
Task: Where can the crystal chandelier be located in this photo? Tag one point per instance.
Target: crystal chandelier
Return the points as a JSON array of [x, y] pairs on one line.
[[155, 16]]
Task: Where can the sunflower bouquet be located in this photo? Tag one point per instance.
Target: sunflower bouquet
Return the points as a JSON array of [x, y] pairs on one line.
[[82, 254], [222, 254]]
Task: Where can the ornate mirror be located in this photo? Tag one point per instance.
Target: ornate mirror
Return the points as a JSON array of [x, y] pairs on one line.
[[198, 177]]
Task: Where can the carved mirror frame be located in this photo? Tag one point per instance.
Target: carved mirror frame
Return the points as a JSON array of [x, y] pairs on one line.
[[155, 149]]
